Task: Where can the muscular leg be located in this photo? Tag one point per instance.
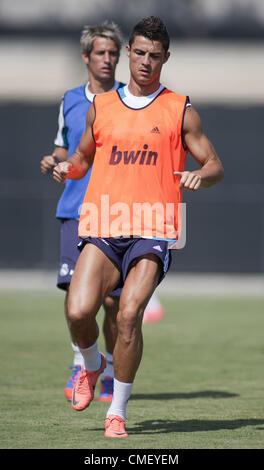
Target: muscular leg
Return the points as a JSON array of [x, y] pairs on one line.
[[109, 329], [111, 307], [140, 284], [94, 277], [77, 357]]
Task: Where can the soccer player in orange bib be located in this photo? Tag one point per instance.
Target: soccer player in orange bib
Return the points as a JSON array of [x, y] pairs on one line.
[[129, 218]]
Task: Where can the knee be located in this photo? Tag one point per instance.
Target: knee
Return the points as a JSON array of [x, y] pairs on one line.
[[111, 305], [76, 311], [129, 320]]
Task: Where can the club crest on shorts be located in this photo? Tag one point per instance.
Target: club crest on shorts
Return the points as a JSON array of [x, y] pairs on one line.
[[64, 270]]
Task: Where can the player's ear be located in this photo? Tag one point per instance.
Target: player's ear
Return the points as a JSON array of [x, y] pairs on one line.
[[85, 58], [167, 55], [128, 50]]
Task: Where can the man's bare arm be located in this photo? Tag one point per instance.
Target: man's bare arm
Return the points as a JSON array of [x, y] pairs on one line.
[[211, 171], [79, 163]]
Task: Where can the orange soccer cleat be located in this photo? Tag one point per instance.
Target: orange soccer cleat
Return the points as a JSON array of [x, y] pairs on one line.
[[115, 427], [83, 392]]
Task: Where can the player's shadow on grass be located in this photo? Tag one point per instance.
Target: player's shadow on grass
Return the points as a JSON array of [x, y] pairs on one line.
[[163, 426], [179, 396]]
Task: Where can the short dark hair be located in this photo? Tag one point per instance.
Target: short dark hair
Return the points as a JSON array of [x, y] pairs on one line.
[[151, 28]]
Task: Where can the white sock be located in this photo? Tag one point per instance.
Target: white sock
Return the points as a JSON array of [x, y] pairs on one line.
[[91, 357], [153, 302], [122, 392], [77, 355], [109, 370]]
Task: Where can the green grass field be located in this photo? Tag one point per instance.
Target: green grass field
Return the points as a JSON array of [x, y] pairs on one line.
[[200, 384]]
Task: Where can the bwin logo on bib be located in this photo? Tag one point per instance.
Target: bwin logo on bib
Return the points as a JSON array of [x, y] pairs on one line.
[[130, 157]]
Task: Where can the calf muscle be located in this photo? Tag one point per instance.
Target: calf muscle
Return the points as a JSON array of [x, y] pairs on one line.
[[94, 277], [140, 284]]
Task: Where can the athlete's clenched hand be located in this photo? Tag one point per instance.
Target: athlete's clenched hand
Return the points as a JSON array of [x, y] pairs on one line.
[[189, 180], [61, 171], [47, 164]]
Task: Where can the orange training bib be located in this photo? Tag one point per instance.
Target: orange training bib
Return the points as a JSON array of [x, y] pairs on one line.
[[132, 189]]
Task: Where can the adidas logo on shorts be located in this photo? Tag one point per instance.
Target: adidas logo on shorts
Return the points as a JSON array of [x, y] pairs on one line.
[[157, 247]]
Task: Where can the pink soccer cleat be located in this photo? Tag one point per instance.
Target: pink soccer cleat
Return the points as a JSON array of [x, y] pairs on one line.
[[83, 391], [115, 427]]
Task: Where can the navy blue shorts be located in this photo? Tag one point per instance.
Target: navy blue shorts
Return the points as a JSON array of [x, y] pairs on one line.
[[69, 254], [124, 252]]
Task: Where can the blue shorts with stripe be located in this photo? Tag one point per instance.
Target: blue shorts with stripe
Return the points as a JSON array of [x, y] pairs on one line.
[[124, 252]]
